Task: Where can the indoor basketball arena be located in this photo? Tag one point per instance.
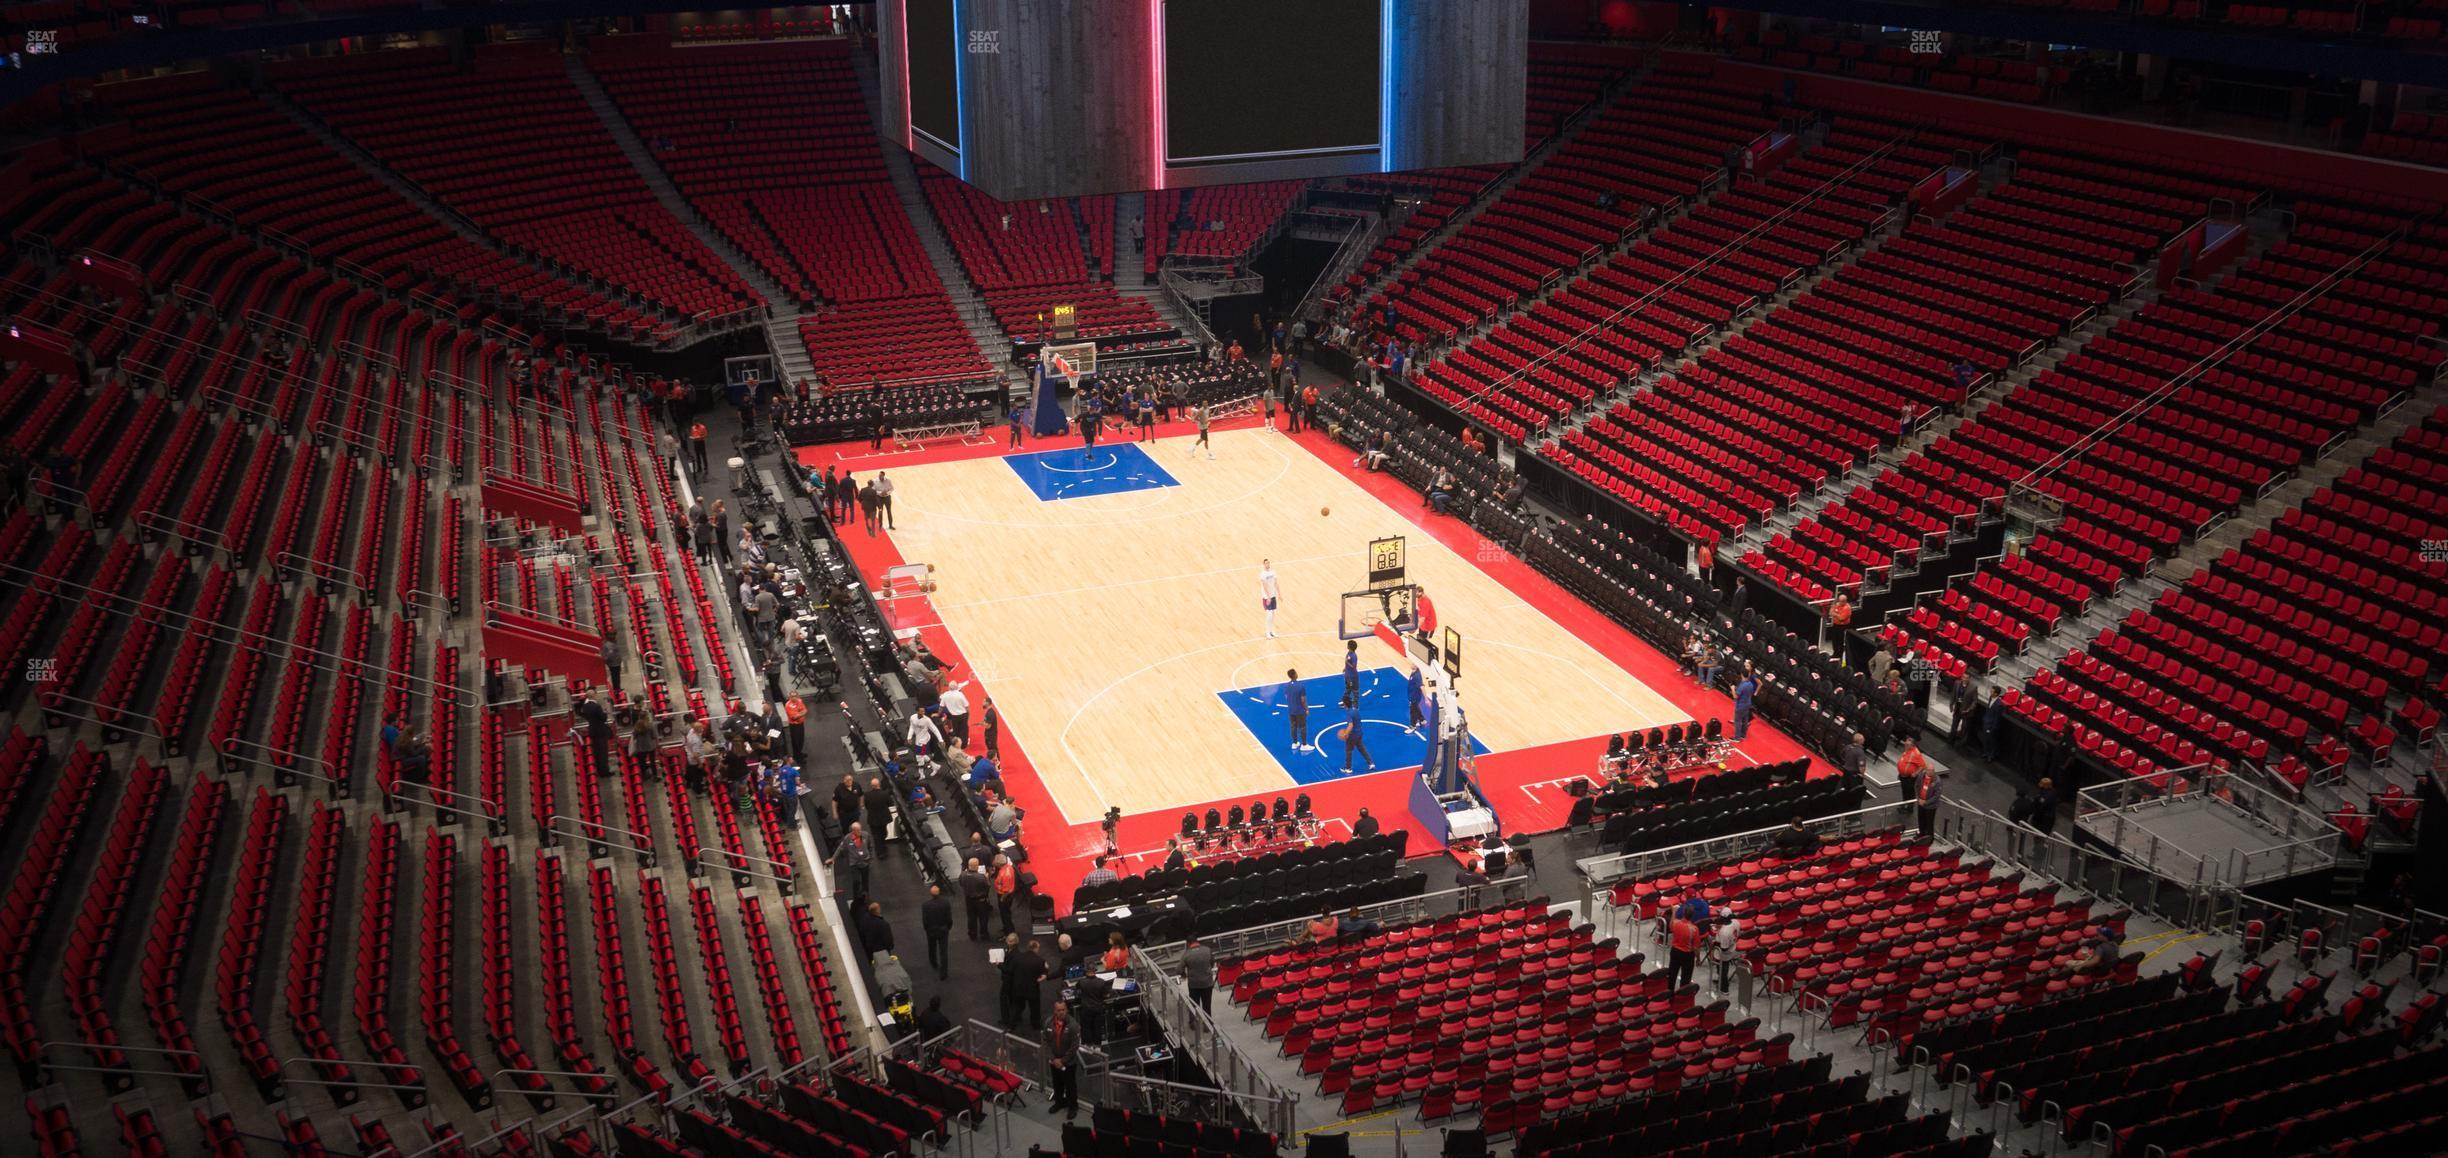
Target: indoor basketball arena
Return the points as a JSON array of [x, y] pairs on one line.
[[1223, 578]]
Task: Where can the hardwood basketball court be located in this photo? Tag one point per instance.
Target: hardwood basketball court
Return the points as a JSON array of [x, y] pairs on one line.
[[1106, 626]]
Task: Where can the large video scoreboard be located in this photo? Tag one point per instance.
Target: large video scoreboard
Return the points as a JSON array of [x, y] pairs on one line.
[[1040, 98]]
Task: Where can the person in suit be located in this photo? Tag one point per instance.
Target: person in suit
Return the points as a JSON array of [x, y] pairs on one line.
[[1028, 975], [854, 855], [977, 897], [932, 1023], [874, 931], [1062, 1062], [599, 732], [935, 918]]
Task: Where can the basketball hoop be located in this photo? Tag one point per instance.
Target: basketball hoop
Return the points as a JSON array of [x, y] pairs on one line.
[[1071, 363]]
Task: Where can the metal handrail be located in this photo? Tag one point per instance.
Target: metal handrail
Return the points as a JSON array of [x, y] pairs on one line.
[[155, 521], [309, 565], [230, 746], [490, 811], [2066, 456], [368, 1063], [788, 882], [553, 826]]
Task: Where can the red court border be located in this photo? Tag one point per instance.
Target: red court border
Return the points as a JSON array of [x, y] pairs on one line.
[[1524, 783]]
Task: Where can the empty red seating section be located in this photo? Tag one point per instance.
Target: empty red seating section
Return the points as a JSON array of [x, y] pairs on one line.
[[2307, 632], [2157, 478], [773, 144], [33, 892], [232, 154], [1654, 147], [1028, 257], [1218, 220], [1801, 395], [1510, 1011], [550, 181]]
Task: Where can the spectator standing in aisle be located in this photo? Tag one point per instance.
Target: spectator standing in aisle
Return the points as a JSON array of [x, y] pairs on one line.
[[1744, 689], [1682, 949], [1028, 977], [1882, 662], [874, 931], [935, 919], [786, 796], [697, 447], [977, 897], [2044, 807], [1723, 951], [1925, 802], [846, 803], [1963, 705], [1910, 764], [1854, 757], [1741, 599], [878, 808], [703, 533], [720, 517], [855, 856], [794, 725], [1062, 1061], [599, 732], [1198, 973], [1006, 882]]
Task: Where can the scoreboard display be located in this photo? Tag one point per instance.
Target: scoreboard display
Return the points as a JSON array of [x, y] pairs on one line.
[[1046, 98], [1316, 92]]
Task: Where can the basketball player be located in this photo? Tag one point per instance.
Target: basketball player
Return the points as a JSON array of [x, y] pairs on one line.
[[1296, 702], [1204, 416], [1269, 593], [1088, 421], [1351, 674], [1353, 744]]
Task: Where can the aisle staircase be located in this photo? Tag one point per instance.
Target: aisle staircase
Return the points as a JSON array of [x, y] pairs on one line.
[[991, 341], [782, 312]]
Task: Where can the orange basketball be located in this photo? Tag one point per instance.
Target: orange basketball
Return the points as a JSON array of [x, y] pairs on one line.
[[1324, 511]]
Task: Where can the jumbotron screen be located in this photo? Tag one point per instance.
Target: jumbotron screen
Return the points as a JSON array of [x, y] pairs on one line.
[[1250, 79], [934, 71]]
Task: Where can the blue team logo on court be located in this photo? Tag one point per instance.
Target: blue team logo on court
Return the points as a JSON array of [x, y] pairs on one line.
[[1074, 473], [1385, 725]]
